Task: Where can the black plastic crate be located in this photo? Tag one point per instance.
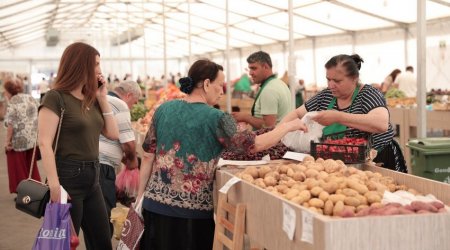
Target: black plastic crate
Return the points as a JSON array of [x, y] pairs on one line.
[[342, 150]]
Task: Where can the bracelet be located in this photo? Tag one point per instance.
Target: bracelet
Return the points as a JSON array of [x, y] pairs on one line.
[[109, 113]]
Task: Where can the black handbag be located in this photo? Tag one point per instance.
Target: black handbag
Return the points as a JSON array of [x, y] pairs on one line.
[[32, 195]]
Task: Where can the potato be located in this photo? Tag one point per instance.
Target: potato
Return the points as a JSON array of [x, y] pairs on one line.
[[308, 158], [437, 204], [322, 175], [259, 182], [282, 169], [317, 166], [331, 166], [361, 207], [330, 187], [362, 199], [402, 210], [299, 168], [311, 173], [318, 203], [299, 186], [335, 198], [351, 201], [247, 177], [291, 194], [324, 195], [363, 211], [299, 176], [376, 205], [320, 160], [313, 209], [252, 170], [338, 208], [310, 183], [273, 174], [349, 192], [305, 204], [419, 205], [374, 198], [282, 189], [270, 180], [290, 172], [305, 196], [263, 171], [361, 188], [315, 191], [297, 199], [328, 208]]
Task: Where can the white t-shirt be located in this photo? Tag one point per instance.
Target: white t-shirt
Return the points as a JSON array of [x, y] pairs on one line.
[[407, 83]]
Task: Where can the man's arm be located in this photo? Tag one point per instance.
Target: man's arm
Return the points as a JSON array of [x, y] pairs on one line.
[[257, 123]]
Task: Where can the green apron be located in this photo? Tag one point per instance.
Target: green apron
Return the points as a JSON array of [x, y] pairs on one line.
[[259, 92], [337, 127]]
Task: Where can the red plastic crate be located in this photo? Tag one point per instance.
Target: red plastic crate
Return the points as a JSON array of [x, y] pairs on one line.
[[341, 150]]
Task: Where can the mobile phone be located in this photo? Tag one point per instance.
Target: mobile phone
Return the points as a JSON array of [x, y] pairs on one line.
[[100, 83]]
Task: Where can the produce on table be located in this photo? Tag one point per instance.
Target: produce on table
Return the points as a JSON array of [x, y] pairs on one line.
[[331, 188], [349, 150], [138, 111]]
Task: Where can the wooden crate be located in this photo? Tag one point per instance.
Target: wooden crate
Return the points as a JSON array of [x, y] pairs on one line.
[[409, 232]]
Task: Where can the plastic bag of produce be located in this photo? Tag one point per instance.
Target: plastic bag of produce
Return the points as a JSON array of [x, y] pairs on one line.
[[300, 141]]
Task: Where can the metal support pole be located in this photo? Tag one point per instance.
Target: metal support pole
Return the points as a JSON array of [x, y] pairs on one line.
[[291, 57], [227, 54], [421, 69]]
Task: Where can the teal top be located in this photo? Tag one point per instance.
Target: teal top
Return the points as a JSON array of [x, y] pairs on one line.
[[187, 140]]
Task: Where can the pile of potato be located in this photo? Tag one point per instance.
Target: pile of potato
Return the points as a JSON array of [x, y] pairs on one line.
[[327, 187]]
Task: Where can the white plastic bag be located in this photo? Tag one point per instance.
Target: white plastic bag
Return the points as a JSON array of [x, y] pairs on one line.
[[300, 141]]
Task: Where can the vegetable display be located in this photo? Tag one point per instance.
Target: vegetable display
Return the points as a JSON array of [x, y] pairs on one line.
[[331, 188]]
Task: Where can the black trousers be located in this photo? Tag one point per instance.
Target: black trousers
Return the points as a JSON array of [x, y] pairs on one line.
[[80, 180], [108, 185], [172, 233]]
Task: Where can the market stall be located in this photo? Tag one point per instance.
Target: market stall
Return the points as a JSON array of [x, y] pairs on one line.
[[270, 218]]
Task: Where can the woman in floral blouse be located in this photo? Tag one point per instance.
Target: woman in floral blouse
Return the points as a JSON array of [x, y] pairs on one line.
[[21, 129], [182, 147]]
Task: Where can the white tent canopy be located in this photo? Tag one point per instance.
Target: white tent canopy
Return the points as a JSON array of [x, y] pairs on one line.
[[381, 31]]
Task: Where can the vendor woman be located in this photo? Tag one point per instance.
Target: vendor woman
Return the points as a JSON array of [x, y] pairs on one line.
[[358, 109]]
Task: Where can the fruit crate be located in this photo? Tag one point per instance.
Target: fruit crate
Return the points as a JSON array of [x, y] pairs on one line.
[[338, 146]]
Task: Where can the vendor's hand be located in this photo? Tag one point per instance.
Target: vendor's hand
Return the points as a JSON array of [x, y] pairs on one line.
[[326, 117], [239, 116], [132, 164]]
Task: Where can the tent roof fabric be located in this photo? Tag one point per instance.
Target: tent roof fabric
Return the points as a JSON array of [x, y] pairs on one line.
[[251, 22]]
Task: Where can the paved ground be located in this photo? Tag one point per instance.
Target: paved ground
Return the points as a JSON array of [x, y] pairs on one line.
[[17, 229]]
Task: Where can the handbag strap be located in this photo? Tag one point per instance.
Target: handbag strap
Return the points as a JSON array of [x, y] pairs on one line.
[[63, 109]]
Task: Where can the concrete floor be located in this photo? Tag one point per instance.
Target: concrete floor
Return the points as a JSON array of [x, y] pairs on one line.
[[17, 229]]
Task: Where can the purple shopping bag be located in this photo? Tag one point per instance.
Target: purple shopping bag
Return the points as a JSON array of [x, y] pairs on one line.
[[55, 231]]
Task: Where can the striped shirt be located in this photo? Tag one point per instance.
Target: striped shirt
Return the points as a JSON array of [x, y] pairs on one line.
[[367, 99], [111, 150]]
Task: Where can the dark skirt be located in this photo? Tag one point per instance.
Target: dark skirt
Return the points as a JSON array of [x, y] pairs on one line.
[[172, 233], [392, 157], [19, 163]]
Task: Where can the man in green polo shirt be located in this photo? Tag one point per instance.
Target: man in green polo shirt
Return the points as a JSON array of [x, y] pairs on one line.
[[273, 100]]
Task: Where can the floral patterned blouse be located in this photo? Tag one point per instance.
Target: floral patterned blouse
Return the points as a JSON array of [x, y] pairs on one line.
[[21, 113], [187, 140]]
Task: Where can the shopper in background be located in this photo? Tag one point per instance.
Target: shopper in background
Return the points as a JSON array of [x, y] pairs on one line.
[[406, 82], [299, 90], [354, 108], [389, 80], [123, 150], [273, 100], [75, 165], [43, 87], [21, 130], [181, 151]]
